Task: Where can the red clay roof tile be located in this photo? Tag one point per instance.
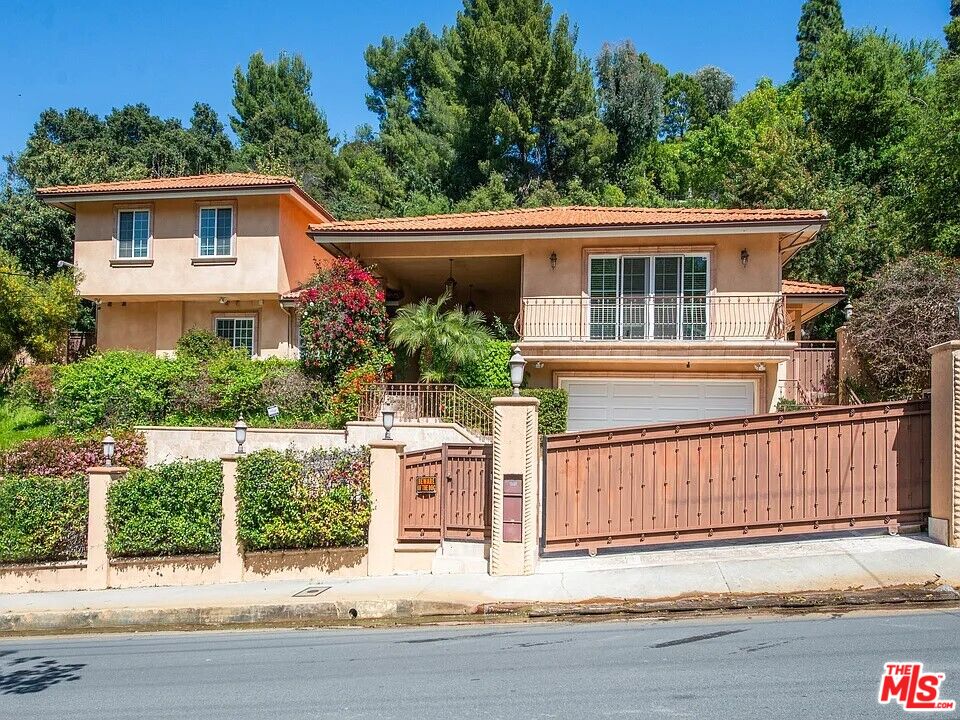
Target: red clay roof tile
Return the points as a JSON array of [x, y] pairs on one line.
[[799, 287], [565, 217], [188, 182]]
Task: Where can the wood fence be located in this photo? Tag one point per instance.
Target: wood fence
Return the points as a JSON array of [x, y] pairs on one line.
[[766, 475]]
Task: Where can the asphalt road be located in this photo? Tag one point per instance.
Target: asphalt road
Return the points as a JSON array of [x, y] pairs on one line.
[[734, 668]]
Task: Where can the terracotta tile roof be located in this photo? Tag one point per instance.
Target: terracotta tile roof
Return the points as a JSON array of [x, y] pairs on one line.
[[293, 294], [799, 287], [64, 194], [189, 182], [566, 217]]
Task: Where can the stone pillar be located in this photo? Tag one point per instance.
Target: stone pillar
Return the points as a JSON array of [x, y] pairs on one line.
[[944, 522], [231, 553], [385, 466], [515, 462], [99, 480]]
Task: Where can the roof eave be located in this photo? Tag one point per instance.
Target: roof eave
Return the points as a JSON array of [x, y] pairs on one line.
[[739, 227]]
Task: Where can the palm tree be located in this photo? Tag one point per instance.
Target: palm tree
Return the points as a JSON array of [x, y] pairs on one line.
[[446, 339]]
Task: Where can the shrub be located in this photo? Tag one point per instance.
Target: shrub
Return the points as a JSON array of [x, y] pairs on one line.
[[34, 386], [65, 456], [491, 369], [42, 519], [343, 318], [552, 411], [344, 404], [199, 344], [172, 509], [908, 307], [788, 405], [115, 388], [303, 500]]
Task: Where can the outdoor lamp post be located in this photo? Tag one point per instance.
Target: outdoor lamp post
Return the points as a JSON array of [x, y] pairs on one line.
[[517, 364], [109, 445], [387, 412], [240, 432]]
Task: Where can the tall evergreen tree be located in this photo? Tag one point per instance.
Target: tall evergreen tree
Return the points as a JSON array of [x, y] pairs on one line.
[[631, 96], [528, 97], [279, 126], [818, 19], [952, 30]]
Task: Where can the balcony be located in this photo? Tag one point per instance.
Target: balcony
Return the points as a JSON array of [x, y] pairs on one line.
[[657, 319]]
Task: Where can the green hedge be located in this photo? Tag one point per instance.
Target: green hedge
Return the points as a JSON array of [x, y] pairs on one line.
[[553, 405], [491, 369], [116, 388], [171, 509], [42, 519], [303, 500]]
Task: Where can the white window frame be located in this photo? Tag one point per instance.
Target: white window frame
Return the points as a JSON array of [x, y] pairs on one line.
[[239, 316], [233, 231], [116, 235], [649, 292]]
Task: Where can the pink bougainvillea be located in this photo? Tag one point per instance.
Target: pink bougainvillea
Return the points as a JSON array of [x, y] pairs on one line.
[[67, 456], [343, 318]]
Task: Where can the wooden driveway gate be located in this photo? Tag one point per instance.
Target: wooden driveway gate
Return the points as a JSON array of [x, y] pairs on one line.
[[863, 466], [445, 493]]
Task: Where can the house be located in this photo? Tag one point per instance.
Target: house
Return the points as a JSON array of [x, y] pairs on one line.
[[219, 252], [643, 315]]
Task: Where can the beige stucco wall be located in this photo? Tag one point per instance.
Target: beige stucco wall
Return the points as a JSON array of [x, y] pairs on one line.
[[156, 326], [299, 253], [727, 274], [173, 245], [172, 443]]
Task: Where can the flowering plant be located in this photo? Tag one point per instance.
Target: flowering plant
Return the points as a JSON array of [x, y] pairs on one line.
[[343, 318], [68, 456]]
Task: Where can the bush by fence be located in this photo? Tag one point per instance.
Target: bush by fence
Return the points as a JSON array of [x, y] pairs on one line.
[[553, 405], [42, 519], [172, 509], [292, 499], [66, 456]]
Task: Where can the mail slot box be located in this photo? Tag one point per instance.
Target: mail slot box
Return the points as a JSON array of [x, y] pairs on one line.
[[512, 507]]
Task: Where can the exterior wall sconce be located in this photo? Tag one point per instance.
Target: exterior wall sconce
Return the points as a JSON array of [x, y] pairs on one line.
[[744, 257], [109, 445], [240, 434], [553, 260], [387, 411], [517, 364]]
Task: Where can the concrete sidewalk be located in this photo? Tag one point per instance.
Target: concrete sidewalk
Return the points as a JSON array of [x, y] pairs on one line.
[[866, 563]]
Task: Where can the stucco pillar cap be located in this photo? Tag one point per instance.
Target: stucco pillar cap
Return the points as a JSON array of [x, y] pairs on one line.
[[944, 347], [106, 470], [387, 445], [233, 456], [521, 401]]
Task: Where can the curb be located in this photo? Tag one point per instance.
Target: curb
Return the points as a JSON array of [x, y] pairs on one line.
[[369, 613], [814, 600]]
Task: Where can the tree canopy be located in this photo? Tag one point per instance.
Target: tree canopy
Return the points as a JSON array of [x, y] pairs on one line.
[[502, 109]]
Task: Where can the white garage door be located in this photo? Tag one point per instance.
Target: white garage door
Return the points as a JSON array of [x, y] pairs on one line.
[[596, 403]]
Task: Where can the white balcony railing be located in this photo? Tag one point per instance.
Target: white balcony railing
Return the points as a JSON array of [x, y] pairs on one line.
[[658, 318]]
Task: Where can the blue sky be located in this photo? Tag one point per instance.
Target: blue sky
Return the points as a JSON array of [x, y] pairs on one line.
[[100, 54]]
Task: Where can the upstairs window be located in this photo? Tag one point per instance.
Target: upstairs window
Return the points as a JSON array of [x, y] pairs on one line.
[[238, 331], [133, 234], [648, 297], [216, 232]]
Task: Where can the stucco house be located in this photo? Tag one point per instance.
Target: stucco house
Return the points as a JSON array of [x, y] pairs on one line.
[[219, 252], [641, 314]]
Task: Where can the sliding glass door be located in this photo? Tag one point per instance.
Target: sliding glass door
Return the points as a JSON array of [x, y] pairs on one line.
[[648, 297]]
